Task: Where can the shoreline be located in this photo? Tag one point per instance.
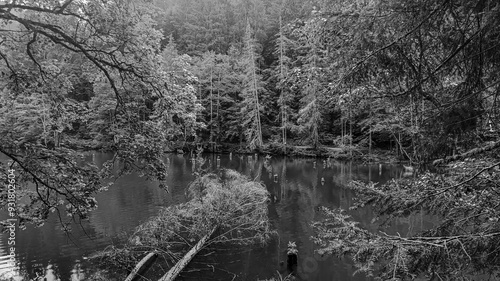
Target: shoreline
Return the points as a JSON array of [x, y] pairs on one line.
[[273, 149]]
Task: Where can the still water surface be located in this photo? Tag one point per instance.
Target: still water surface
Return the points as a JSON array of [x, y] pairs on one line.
[[298, 187]]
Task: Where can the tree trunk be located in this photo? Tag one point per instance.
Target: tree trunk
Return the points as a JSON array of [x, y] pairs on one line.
[[257, 107], [350, 123], [283, 110], [370, 144], [401, 147], [218, 138], [211, 105], [142, 266], [182, 263]]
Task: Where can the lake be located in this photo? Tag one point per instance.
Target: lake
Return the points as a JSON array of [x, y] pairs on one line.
[[298, 186]]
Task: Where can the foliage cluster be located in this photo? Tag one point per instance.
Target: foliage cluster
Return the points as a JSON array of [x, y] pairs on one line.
[[463, 243], [230, 203], [413, 75], [140, 76], [86, 70]]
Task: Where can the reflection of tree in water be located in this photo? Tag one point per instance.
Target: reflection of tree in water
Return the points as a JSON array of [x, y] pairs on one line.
[[119, 212], [253, 167], [300, 193], [344, 175], [268, 167], [377, 173], [295, 197], [295, 204], [297, 193], [282, 180]]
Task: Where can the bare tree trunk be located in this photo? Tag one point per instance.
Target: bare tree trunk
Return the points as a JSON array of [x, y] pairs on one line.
[[283, 109], [142, 266], [342, 135], [44, 123], [401, 147], [257, 105], [218, 108], [182, 263], [350, 122], [56, 139], [211, 105], [370, 144]]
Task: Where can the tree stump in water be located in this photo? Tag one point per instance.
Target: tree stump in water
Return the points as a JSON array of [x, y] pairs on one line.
[[292, 259]]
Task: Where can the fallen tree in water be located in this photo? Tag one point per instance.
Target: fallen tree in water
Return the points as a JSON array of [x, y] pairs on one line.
[[461, 244], [182, 263], [142, 266], [224, 209]]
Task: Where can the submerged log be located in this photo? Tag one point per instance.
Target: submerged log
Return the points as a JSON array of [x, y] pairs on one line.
[[182, 263]]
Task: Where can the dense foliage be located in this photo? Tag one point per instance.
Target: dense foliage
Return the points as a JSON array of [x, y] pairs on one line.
[[462, 245], [229, 205], [144, 77], [90, 72], [416, 76], [413, 75]]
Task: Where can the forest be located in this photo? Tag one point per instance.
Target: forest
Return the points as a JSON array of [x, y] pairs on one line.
[[417, 79]]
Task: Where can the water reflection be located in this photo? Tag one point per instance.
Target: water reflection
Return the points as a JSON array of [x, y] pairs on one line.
[[297, 187]]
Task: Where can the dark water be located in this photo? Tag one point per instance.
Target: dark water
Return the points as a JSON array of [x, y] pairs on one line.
[[298, 187]]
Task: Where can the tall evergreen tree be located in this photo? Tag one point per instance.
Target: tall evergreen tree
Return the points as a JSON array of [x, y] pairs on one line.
[[252, 87], [283, 44], [312, 66]]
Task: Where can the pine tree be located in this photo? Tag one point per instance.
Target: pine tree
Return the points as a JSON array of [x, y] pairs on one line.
[[284, 94], [309, 114], [204, 68], [252, 87], [286, 81]]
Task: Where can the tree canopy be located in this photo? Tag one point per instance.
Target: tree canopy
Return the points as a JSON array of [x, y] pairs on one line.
[[141, 78], [87, 70]]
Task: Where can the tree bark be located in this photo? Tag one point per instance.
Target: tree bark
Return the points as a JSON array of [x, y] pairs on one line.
[[182, 263], [142, 266]]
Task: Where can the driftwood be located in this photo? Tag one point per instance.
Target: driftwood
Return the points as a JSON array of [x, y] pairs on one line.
[[182, 263], [469, 153], [142, 266]]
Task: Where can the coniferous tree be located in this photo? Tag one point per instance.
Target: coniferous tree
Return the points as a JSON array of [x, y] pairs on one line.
[[204, 69], [312, 64], [283, 44], [252, 88]]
